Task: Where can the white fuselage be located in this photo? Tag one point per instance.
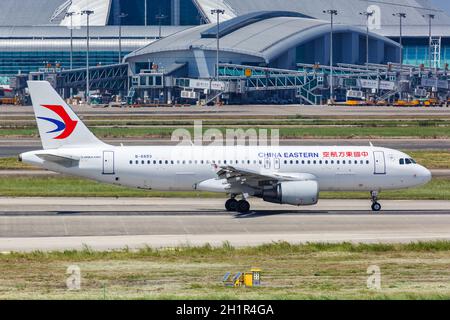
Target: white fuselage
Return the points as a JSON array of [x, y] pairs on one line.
[[183, 168]]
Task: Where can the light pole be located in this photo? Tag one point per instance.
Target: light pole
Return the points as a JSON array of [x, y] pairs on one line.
[[145, 13], [367, 15], [160, 17], [430, 19], [401, 16], [217, 12], [332, 13], [70, 14], [121, 16], [87, 13]]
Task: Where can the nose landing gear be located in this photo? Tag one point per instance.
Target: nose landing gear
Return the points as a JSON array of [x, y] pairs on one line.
[[233, 205], [376, 206]]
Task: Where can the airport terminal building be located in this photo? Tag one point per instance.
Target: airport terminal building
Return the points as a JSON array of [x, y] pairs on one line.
[[34, 33], [176, 39]]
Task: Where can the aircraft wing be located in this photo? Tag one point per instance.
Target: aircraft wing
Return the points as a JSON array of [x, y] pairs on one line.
[[239, 176]]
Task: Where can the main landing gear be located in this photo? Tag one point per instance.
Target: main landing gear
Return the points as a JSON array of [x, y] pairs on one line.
[[234, 205], [376, 206]]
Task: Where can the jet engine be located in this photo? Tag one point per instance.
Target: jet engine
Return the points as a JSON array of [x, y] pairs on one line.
[[297, 193]]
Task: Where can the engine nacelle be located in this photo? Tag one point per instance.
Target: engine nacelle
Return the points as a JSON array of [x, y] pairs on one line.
[[297, 193]]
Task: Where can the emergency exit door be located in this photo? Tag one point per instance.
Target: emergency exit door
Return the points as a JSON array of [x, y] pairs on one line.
[[380, 162], [108, 162]]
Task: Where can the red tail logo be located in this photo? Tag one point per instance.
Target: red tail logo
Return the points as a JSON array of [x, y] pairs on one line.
[[66, 126]]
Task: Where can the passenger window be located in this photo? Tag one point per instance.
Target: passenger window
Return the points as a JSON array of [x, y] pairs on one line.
[[338, 162], [149, 162], [131, 161], [137, 162]]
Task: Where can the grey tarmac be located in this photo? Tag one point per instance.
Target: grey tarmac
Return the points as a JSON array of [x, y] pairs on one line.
[[49, 224]]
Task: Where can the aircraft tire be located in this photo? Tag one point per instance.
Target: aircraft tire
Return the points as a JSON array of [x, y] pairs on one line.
[[231, 205], [243, 206], [376, 207]]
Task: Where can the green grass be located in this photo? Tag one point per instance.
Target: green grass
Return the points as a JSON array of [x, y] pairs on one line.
[[14, 164], [287, 121], [285, 132], [60, 186], [429, 159], [309, 271], [432, 159]]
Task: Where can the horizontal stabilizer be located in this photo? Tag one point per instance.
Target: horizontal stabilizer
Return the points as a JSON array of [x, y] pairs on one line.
[[63, 160]]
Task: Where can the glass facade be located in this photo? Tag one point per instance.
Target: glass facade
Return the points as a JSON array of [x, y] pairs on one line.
[[416, 55], [135, 9], [12, 63]]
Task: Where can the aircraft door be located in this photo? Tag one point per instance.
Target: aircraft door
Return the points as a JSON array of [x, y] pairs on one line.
[[108, 162], [380, 162]]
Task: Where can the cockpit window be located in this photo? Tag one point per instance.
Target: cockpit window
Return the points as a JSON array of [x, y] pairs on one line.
[[407, 161]]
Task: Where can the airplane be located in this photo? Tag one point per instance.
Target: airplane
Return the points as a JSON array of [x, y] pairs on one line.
[[293, 175]]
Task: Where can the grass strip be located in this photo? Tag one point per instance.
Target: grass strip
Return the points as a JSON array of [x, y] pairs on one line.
[[309, 271], [429, 159], [426, 132], [61, 186]]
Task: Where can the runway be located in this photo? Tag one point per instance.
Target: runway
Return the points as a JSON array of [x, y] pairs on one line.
[[245, 110], [103, 224], [14, 147]]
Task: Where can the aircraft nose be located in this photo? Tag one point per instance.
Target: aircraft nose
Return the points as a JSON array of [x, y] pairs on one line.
[[423, 174]]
